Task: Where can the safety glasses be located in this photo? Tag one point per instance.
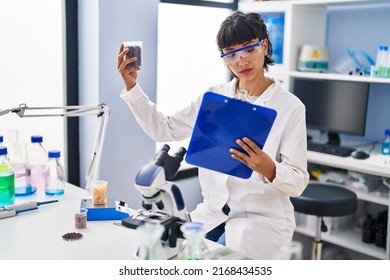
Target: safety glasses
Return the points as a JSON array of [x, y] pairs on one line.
[[233, 57]]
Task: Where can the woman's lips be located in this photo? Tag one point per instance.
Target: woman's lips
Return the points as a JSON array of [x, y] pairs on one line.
[[245, 71]]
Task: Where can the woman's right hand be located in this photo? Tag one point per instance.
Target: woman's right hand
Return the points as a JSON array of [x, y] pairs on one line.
[[129, 74]]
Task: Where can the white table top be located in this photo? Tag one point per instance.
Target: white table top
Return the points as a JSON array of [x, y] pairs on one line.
[[38, 234]]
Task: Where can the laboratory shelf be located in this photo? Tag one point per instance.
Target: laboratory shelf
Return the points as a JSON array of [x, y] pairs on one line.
[[367, 166], [335, 76], [349, 239]]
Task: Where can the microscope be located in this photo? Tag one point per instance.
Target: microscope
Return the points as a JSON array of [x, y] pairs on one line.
[[162, 201]]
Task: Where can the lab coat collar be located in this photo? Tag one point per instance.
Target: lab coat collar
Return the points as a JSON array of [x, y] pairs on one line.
[[264, 97]]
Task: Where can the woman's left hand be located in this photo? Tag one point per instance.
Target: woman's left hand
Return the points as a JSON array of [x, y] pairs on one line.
[[254, 158]]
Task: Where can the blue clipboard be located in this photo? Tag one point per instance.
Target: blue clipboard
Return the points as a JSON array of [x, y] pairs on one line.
[[220, 122]]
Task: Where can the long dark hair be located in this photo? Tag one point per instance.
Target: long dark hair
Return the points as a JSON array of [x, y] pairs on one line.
[[239, 28]]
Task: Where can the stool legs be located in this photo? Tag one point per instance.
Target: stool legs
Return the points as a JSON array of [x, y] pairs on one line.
[[316, 249]]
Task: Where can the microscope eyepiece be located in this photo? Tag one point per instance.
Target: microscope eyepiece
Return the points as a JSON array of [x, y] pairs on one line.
[[165, 148], [180, 153], [171, 164], [161, 157]]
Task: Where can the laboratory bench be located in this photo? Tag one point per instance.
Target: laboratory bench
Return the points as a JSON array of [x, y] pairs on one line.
[[37, 235]]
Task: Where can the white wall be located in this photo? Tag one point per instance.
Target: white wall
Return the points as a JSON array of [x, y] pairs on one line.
[[189, 61], [31, 68]]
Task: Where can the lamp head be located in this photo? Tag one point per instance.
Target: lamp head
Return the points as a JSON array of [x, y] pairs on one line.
[[19, 111]]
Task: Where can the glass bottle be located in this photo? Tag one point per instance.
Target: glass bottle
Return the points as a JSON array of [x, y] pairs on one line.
[[151, 247], [193, 246], [36, 161], [368, 229], [7, 179], [54, 174], [22, 172]]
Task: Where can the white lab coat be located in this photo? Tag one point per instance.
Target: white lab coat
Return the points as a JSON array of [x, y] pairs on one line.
[[261, 218]]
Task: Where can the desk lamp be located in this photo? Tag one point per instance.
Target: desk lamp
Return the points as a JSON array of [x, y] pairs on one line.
[[101, 111]]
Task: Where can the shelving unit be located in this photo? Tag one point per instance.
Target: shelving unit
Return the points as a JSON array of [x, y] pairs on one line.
[[306, 23], [350, 238], [333, 76]]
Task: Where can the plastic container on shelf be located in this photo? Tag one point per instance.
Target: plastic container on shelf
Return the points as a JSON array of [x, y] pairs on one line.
[[386, 143], [37, 158], [387, 64], [54, 174], [7, 179], [22, 172], [381, 61]]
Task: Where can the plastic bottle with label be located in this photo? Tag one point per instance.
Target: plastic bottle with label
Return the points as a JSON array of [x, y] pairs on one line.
[[37, 158], [22, 172], [54, 174], [386, 143], [380, 62], [7, 179]]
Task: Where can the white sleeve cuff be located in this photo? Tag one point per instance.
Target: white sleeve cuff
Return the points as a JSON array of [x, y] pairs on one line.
[[132, 95]]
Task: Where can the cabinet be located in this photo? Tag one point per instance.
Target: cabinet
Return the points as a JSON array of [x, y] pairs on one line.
[[306, 22]]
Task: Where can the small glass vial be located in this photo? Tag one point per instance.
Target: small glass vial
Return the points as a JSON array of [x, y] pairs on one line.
[[36, 161], [81, 218], [7, 179], [193, 246], [54, 174], [386, 143]]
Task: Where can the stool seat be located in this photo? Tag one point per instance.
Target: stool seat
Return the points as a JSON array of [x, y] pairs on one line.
[[325, 200]]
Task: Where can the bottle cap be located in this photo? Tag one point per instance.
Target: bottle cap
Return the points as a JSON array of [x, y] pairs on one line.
[[3, 151], [54, 154], [387, 132], [1, 138], [36, 139]]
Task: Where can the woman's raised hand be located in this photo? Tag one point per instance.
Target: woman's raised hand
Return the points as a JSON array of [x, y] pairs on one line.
[[129, 74]]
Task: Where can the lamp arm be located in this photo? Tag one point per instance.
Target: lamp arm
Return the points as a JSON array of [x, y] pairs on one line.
[[101, 111], [94, 164]]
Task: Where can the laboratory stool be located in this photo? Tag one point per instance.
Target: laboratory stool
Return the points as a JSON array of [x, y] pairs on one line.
[[324, 200]]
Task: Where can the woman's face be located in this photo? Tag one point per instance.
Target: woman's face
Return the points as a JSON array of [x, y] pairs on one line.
[[246, 60]]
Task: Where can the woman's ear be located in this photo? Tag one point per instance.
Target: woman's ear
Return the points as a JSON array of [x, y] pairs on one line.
[[264, 45]]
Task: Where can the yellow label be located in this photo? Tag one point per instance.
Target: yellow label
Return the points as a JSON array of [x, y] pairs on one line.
[[315, 54], [4, 168]]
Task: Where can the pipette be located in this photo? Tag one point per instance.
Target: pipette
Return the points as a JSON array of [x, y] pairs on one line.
[[15, 209]]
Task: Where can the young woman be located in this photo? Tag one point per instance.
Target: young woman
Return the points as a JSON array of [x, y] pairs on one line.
[[256, 213]]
